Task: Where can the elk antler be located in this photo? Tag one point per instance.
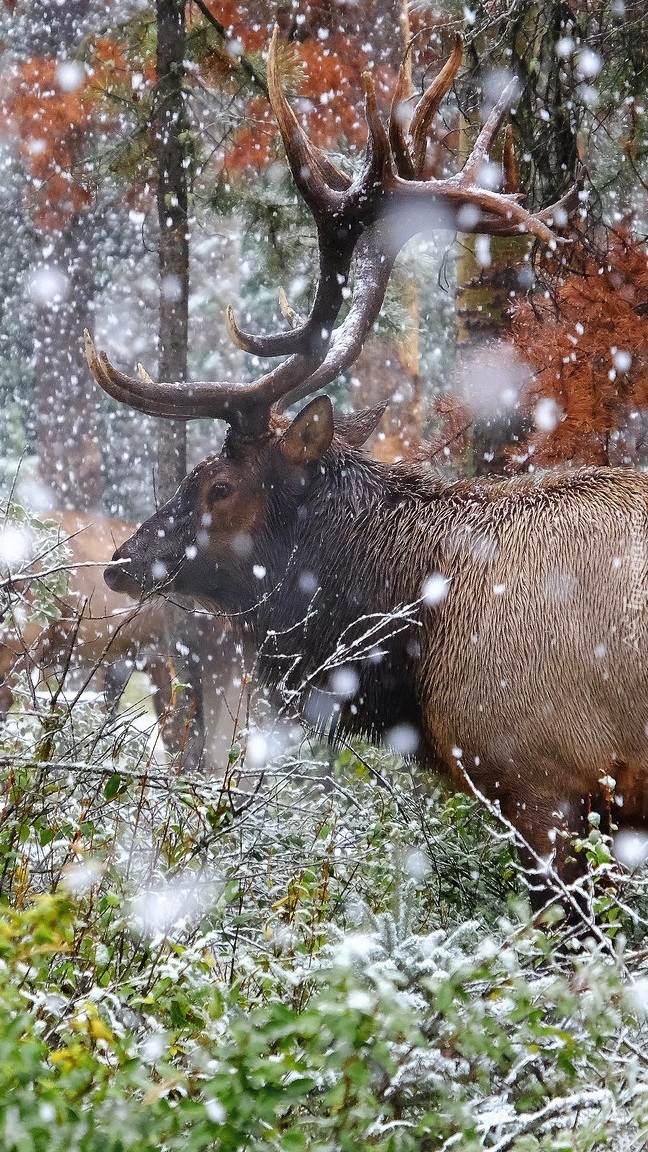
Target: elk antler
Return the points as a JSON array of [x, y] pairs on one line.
[[410, 160], [364, 221], [245, 406]]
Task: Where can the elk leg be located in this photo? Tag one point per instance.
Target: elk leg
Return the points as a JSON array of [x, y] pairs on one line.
[[548, 833]]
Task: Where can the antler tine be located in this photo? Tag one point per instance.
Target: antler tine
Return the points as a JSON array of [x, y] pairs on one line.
[[482, 146], [242, 339], [497, 213], [311, 336], [322, 185], [378, 164], [448, 203], [339, 216], [340, 209], [429, 105], [107, 378], [397, 121], [144, 375], [288, 312], [410, 158], [374, 264], [314, 174]]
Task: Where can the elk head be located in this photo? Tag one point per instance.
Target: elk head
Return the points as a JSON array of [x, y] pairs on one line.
[[217, 534], [217, 539]]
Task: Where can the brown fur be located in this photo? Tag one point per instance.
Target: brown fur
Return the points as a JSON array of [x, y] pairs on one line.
[[530, 675]]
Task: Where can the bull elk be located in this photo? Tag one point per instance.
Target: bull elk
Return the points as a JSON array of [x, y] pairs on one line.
[[497, 628]]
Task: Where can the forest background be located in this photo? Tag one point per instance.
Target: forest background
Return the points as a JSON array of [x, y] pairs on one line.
[[303, 950]]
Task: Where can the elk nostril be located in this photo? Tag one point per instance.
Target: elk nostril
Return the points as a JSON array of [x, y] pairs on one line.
[[115, 572], [111, 578]]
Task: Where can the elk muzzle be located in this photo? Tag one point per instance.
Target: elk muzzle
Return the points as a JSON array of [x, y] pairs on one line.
[[120, 575], [154, 555]]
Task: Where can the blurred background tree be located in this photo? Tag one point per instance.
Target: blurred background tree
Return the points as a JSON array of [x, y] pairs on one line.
[[582, 73]]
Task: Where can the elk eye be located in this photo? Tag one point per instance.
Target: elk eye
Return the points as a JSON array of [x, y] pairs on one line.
[[219, 491]]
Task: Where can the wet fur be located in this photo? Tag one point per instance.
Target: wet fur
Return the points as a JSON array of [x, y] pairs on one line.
[[531, 674]]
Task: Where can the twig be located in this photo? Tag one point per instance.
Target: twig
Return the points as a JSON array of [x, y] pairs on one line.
[[245, 64], [544, 866]]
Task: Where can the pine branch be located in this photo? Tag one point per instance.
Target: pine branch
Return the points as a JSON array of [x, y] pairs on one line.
[[245, 63]]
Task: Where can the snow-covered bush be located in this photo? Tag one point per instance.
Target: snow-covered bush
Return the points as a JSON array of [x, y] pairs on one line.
[[322, 953]]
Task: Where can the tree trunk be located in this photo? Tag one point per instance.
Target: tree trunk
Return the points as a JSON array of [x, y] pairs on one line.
[[171, 134], [67, 402], [172, 159], [488, 375]]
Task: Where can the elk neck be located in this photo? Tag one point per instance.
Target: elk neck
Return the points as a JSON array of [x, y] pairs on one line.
[[330, 630]]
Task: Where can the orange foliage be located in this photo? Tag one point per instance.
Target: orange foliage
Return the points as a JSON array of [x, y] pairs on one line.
[[50, 123], [332, 65], [52, 116], [246, 22], [587, 344], [111, 68], [331, 44], [333, 83]]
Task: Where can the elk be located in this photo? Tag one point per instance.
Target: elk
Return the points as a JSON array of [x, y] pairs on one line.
[[495, 629]]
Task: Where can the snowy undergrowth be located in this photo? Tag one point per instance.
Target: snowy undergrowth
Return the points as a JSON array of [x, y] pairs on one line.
[[324, 955]]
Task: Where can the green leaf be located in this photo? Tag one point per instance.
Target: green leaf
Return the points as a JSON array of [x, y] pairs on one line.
[[112, 787]]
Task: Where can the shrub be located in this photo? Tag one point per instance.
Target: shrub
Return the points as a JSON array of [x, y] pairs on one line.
[[320, 954]]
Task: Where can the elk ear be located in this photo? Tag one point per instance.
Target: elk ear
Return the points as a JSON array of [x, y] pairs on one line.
[[356, 427], [310, 434]]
